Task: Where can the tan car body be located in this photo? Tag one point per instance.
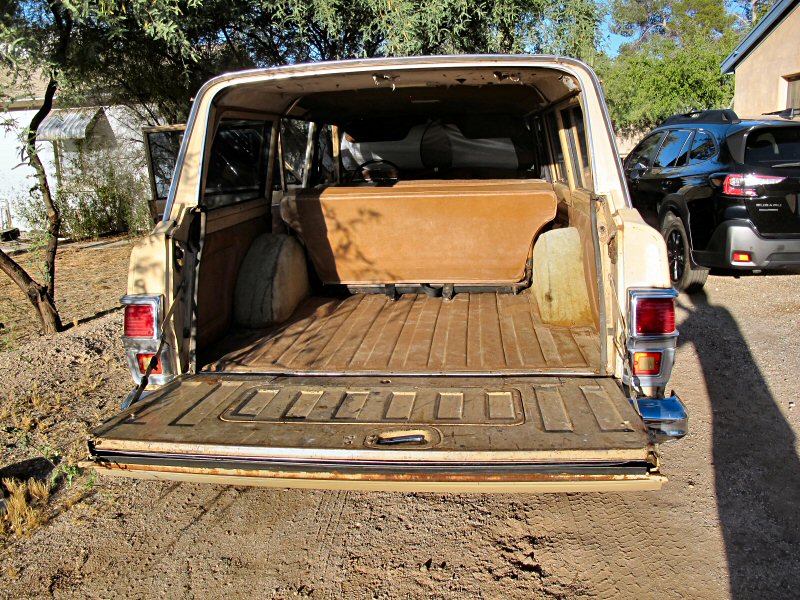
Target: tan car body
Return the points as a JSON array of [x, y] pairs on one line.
[[631, 256]]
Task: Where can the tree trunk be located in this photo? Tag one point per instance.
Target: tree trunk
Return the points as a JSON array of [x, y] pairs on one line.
[[42, 297], [53, 216], [37, 294]]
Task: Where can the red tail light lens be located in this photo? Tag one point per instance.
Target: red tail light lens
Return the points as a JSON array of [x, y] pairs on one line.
[[646, 363], [144, 360], [140, 320], [737, 184], [655, 316]]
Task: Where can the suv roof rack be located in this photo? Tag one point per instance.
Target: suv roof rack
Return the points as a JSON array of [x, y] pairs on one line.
[[725, 116], [786, 113]]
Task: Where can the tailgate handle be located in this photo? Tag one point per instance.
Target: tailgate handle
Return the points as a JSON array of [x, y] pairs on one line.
[[387, 439]]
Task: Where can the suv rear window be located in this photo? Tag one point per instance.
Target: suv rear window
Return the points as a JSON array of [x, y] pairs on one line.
[[773, 146]]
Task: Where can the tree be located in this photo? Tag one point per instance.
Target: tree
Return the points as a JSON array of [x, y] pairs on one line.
[[47, 36], [750, 11], [671, 63]]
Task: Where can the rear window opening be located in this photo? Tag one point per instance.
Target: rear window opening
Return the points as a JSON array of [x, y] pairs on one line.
[[403, 221], [775, 147]]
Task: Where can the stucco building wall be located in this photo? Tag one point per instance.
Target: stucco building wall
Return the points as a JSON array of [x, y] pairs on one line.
[[761, 78]]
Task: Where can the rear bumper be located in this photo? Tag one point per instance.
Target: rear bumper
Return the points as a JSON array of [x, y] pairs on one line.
[[666, 418], [741, 236], [448, 480]]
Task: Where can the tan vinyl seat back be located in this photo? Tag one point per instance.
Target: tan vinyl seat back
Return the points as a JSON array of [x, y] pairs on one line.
[[464, 232]]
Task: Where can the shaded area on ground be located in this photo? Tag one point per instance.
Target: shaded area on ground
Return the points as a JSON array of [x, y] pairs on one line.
[[757, 470]]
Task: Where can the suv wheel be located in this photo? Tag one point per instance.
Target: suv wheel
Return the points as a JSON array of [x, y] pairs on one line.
[[684, 275]]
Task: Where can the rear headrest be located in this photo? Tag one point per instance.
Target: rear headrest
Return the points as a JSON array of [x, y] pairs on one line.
[[467, 142]]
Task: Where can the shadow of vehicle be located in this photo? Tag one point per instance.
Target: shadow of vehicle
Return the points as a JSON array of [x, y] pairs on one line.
[[756, 466]]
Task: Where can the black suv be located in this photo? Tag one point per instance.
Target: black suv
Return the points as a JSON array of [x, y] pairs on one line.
[[723, 191]]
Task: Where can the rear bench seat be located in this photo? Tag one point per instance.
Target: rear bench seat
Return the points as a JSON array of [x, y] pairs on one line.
[[415, 232]]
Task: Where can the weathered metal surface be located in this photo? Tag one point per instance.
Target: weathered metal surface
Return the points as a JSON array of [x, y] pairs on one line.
[[371, 333], [471, 419], [379, 482]]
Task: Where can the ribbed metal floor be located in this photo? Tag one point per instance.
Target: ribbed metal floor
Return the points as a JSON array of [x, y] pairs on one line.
[[416, 334]]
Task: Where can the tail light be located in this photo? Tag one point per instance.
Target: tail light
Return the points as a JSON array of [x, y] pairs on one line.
[[737, 184], [655, 316], [142, 336], [651, 339], [646, 363], [651, 346], [143, 360], [140, 320]]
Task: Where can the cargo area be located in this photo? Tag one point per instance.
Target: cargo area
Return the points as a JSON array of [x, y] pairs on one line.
[[452, 277], [415, 333]]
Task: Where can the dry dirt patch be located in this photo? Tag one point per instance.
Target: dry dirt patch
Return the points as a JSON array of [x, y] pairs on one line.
[[89, 279]]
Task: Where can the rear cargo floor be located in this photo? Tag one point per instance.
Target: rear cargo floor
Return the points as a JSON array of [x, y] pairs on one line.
[[415, 334]]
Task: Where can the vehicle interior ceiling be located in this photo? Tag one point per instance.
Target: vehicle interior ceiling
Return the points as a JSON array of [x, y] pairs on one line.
[[404, 212]]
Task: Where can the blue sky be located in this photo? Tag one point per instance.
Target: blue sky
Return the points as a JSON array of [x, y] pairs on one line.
[[611, 42]]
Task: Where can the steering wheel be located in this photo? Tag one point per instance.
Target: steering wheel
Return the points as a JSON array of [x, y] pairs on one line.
[[359, 170]]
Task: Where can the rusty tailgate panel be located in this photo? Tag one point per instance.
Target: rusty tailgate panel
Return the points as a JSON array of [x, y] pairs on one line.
[[412, 433]]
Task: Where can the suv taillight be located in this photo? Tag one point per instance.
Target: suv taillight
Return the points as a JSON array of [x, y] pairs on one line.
[[140, 320], [737, 184], [654, 316]]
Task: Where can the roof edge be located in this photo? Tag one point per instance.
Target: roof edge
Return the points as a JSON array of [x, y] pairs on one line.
[[772, 19]]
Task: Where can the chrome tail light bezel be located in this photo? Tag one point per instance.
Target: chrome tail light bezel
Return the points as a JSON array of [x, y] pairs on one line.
[[148, 345], [664, 343]]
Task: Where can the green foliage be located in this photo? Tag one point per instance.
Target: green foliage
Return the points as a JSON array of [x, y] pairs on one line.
[[672, 62], [153, 55], [102, 195], [661, 77]]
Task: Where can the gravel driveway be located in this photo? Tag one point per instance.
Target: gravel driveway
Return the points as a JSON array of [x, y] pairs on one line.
[[726, 525]]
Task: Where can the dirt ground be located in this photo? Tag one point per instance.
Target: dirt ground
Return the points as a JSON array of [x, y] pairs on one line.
[[727, 525], [90, 277]]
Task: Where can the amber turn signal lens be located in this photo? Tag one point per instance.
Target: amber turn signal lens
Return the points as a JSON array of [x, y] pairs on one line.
[[144, 360], [646, 363]]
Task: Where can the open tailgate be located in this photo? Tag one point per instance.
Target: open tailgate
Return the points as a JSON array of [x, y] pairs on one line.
[[408, 433]]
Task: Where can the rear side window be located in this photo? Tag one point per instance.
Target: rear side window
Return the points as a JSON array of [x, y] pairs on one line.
[[642, 155], [703, 147], [673, 151], [237, 166], [558, 151], [774, 146], [163, 147]]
